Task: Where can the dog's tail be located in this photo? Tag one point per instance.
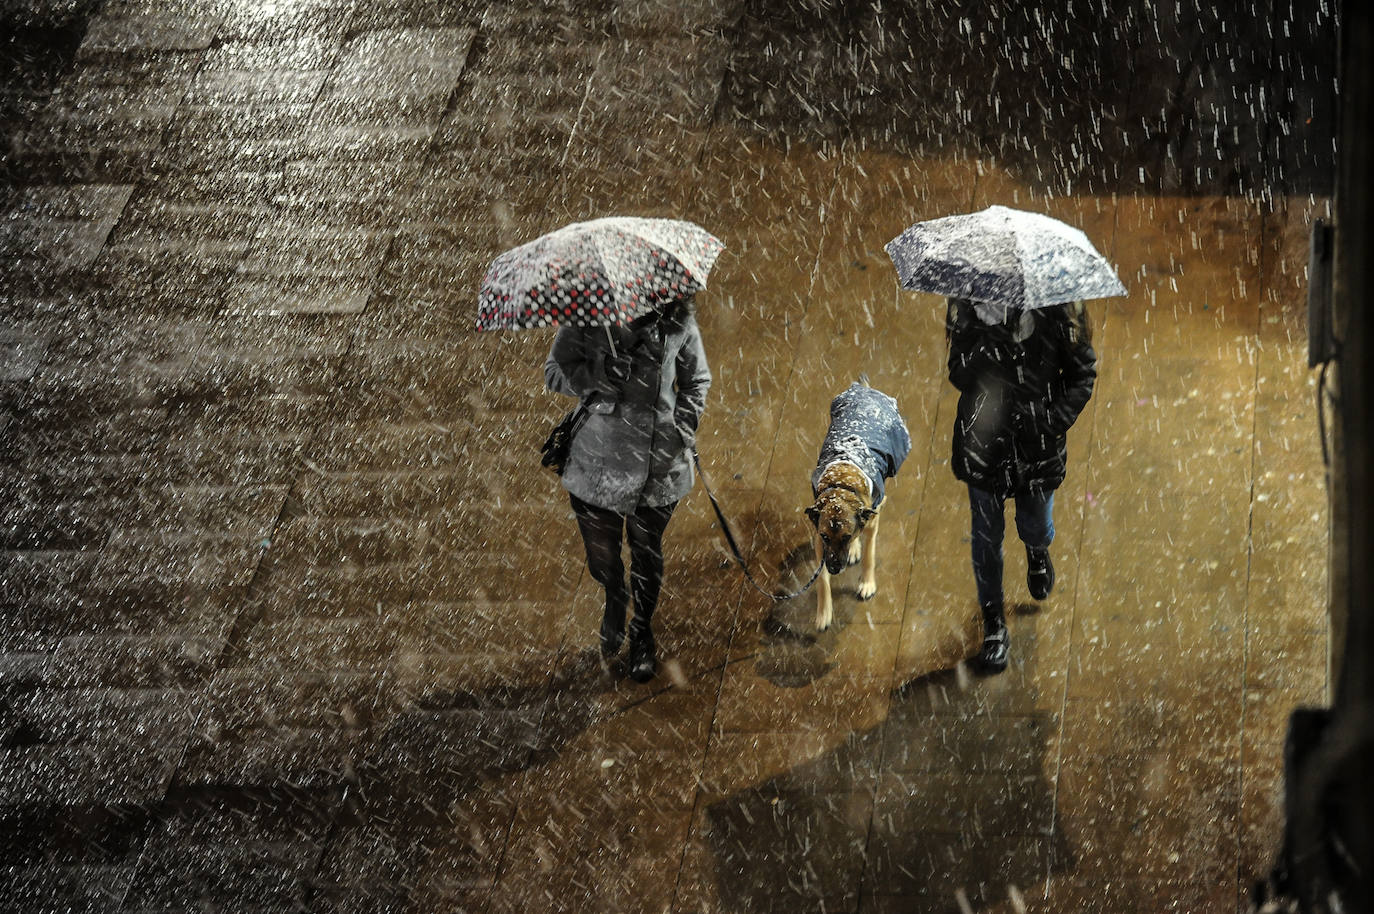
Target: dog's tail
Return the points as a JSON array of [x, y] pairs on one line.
[[863, 379]]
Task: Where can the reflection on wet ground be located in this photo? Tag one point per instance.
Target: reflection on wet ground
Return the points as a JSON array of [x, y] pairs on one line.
[[292, 619]]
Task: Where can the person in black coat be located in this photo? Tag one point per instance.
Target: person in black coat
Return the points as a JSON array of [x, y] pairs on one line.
[[1023, 377]]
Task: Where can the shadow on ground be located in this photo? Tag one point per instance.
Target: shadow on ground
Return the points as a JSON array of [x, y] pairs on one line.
[[949, 797]]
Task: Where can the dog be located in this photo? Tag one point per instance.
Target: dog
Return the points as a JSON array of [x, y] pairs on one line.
[[864, 447]]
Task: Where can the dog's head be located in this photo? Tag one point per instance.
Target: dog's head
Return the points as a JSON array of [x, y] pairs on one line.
[[839, 515]]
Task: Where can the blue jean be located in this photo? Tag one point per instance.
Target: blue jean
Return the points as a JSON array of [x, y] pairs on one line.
[[1034, 524]]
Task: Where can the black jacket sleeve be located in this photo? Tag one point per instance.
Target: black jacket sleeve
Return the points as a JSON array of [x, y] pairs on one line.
[[1078, 372], [974, 355], [962, 333]]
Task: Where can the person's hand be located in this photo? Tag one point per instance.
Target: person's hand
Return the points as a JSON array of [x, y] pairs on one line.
[[1039, 416], [618, 367], [686, 423], [988, 351]]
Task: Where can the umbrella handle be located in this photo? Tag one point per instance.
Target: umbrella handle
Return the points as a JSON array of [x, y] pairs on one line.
[[610, 339]]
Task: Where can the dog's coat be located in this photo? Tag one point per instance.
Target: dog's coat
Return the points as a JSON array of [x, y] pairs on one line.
[[865, 446]]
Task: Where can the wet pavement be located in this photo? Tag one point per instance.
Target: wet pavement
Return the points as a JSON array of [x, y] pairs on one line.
[[291, 618]]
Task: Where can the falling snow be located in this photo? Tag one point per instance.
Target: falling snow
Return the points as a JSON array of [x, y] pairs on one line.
[[294, 620]]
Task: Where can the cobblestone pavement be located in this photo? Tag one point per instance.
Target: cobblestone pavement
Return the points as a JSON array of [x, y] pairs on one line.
[[291, 619]]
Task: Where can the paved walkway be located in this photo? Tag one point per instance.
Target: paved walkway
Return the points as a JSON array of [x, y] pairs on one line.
[[291, 619]]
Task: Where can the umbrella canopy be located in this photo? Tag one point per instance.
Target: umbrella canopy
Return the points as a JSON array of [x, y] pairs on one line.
[[1004, 256], [602, 272]]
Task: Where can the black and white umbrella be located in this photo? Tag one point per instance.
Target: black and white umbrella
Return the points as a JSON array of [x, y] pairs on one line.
[[597, 273], [1002, 256]]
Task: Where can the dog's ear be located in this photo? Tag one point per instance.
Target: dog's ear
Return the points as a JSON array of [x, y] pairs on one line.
[[865, 515], [814, 512]]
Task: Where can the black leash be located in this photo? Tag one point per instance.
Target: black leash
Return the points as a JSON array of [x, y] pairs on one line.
[[734, 546]]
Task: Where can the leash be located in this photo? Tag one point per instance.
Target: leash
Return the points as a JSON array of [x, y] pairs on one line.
[[734, 546]]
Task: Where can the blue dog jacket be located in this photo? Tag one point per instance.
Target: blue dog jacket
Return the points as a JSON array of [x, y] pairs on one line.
[[867, 431]]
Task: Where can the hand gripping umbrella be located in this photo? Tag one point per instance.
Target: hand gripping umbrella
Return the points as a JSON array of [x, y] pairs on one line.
[[597, 273], [1002, 256]]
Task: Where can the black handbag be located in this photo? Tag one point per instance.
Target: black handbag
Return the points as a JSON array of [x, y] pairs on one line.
[[555, 448]]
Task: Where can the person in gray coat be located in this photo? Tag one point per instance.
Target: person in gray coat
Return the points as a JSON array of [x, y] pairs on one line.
[[644, 386]]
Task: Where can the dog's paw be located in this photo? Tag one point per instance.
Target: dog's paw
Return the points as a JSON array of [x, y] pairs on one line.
[[856, 552], [867, 589], [824, 617]]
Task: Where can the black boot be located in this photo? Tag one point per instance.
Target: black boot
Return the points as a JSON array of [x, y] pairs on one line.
[[1039, 572], [643, 658], [996, 642], [613, 623]]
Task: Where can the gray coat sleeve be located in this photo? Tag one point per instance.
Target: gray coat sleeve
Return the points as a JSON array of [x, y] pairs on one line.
[[693, 380], [575, 369]]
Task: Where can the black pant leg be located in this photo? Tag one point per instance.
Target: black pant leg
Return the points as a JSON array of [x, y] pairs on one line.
[[601, 537], [645, 529]]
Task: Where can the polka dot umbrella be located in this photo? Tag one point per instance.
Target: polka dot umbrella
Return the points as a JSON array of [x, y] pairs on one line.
[[597, 273]]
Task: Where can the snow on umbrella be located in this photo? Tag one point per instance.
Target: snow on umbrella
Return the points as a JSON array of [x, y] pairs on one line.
[[602, 272], [1003, 256]]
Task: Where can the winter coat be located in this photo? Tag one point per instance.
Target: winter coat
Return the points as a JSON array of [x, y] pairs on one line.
[[634, 449], [1021, 386], [867, 431]]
